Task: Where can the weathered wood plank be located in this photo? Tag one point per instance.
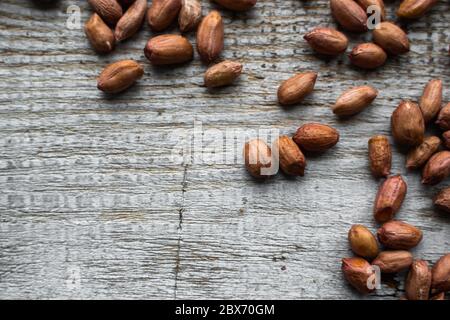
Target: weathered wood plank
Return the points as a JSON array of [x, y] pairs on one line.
[[96, 201]]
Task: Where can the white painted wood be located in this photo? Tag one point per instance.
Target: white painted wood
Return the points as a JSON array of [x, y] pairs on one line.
[[91, 207]]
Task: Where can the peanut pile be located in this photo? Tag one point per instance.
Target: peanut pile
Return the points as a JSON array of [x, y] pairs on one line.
[[408, 123], [117, 20]]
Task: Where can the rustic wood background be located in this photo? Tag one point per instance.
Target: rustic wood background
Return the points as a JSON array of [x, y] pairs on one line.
[[93, 203]]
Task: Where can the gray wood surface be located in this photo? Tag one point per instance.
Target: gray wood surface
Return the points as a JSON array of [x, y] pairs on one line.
[[94, 202]]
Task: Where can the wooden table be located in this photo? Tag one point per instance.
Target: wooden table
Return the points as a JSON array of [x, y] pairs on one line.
[[97, 202]]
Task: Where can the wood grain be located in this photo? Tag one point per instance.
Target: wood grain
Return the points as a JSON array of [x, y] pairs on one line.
[[97, 202]]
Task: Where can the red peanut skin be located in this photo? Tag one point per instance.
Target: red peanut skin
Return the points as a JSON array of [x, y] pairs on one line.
[[437, 168], [389, 198], [418, 282], [399, 235], [441, 275], [237, 5], [357, 272]]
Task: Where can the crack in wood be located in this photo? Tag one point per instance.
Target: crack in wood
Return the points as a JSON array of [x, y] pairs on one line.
[[180, 228]]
